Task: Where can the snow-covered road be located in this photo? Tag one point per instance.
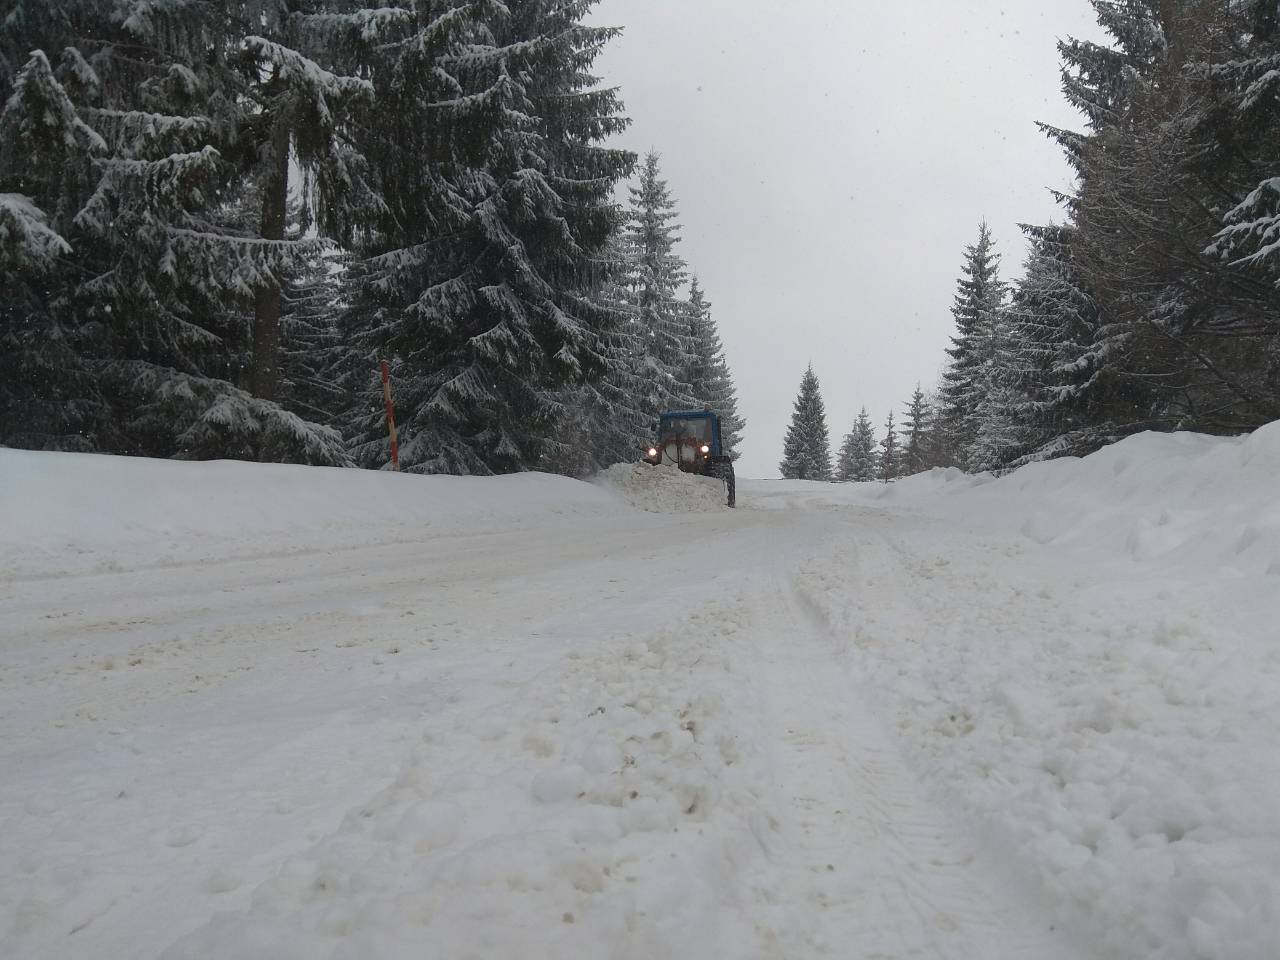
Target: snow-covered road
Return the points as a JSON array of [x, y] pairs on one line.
[[824, 725]]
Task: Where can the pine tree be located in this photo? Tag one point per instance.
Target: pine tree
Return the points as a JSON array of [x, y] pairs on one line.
[[49, 394], [916, 448], [858, 459], [150, 299], [1002, 431], [1251, 233], [807, 450], [482, 284], [304, 108], [602, 418], [973, 354], [1102, 80], [404, 287], [890, 467], [657, 273], [1067, 403], [312, 350], [1168, 222], [707, 373], [942, 451]]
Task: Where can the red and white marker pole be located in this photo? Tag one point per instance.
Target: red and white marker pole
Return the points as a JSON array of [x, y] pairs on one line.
[[391, 416]]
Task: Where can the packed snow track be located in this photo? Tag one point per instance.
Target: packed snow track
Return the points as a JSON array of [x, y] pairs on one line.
[[386, 717]]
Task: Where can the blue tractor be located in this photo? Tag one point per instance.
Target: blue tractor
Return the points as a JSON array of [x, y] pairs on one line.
[[690, 439]]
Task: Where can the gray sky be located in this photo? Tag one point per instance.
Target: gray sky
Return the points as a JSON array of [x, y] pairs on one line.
[[831, 159]]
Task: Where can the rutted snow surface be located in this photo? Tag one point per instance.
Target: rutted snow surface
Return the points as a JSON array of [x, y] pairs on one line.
[[932, 720]]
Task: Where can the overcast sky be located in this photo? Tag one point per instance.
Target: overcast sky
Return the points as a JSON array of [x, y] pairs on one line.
[[831, 159]]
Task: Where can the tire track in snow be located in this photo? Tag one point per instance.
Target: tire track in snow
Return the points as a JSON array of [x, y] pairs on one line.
[[872, 869]]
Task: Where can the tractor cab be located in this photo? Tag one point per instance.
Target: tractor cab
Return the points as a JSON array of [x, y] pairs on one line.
[[691, 440], [686, 438]]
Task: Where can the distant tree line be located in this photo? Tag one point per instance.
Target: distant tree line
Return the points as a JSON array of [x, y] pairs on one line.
[[215, 220], [907, 448], [1155, 305]]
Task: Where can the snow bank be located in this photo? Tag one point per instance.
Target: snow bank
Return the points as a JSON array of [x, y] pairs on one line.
[[1208, 501], [64, 512], [663, 489], [1093, 668]]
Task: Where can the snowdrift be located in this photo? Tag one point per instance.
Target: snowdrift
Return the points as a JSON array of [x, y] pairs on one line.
[[663, 489], [63, 512], [1092, 668], [1181, 498]]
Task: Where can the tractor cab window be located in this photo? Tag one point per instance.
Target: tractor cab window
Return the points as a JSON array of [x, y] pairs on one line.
[[699, 429]]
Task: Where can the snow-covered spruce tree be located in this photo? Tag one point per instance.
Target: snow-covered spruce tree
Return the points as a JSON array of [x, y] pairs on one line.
[[312, 349], [481, 285], [1250, 239], [1068, 402], [858, 459], [579, 115], [1102, 79], [160, 272], [29, 25], [1002, 416], [1252, 232], [302, 112], [1079, 400], [405, 287], [602, 423], [979, 299], [707, 373], [916, 443], [1048, 388], [49, 398], [807, 449], [942, 451], [657, 273], [1182, 123], [890, 467]]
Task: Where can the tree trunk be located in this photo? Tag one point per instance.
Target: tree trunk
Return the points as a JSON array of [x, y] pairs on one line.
[[265, 369]]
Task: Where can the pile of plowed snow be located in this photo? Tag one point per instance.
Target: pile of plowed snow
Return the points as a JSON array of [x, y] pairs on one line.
[[1180, 498], [663, 489]]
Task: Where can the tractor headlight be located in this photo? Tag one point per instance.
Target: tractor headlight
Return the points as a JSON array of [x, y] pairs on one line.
[[705, 448], [653, 451]]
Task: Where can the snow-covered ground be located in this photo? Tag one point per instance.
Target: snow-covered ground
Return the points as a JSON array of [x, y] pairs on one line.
[[282, 712]]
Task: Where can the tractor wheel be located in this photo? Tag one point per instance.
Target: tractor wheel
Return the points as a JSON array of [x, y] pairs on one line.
[[722, 469]]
